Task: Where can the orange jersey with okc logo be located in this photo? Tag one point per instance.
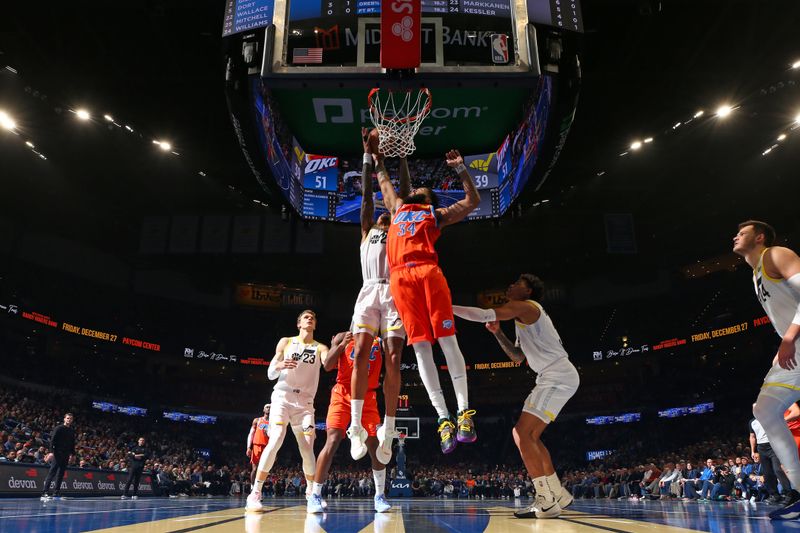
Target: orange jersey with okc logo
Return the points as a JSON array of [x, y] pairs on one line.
[[262, 429], [347, 359], [412, 236]]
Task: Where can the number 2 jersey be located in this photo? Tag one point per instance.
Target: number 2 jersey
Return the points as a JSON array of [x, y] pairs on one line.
[[412, 236], [373, 256], [776, 296], [540, 341], [347, 360], [305, 376]]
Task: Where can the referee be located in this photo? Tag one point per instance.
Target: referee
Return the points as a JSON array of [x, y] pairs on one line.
[[62, 442]]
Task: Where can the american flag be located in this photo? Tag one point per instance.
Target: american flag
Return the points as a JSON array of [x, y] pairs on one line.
[[307, 55]]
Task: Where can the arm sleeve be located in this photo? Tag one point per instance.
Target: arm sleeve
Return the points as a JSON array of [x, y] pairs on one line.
[[794, 283], [273, 374], [474, 314]]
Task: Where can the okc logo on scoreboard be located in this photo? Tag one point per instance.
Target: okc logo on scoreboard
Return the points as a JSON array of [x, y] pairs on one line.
[[320, 163], [402, 29], [499, 48]]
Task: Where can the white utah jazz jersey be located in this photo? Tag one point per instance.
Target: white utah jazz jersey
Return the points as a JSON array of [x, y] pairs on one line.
[[540, 341], [305, 376], [777, 297], [374, 264]]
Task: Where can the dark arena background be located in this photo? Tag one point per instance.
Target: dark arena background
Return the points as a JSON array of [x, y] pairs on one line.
[[181, 179]]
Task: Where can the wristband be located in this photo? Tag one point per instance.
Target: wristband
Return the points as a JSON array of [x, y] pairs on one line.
[[368, 159], [461, 168]]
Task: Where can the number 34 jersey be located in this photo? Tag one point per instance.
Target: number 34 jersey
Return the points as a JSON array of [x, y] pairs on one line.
[[412, 236], [305, 376]]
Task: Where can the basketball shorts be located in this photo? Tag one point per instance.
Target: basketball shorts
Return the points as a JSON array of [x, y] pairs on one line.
[[375, 312], [339, 410], [423, 300], [555, 385], [255, 457], [782, 383], [291, 408]]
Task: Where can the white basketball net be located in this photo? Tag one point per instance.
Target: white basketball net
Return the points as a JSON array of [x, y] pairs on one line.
[[397, 117]]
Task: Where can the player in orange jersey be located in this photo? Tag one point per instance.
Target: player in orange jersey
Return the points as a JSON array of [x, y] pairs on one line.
[[792, 417], [420, 290], [257, 439], [342, 356]]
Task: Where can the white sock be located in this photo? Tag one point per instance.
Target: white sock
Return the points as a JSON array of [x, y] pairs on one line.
[[457, 369], [543, 489], [257, 486], [380, 481], [356, 407], [317, 489], [430, 377], [388, 423], [554, 484]]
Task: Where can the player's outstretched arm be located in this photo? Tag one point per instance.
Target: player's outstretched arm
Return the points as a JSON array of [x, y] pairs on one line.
[[338, 344], [390, 198], [367, 201], [459, 210], [325, 356], [515, 309], [277, 364], [405, 179]]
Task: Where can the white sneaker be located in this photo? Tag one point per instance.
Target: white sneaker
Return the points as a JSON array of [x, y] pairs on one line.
[[314, 505], [254, 503], [358, 442], [540, 509], [385, 440], [44, 498], [565, 499], [324, 503], [134, 497], [123, 497], [381, 505]]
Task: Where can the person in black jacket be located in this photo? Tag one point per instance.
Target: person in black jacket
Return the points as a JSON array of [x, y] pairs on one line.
[[137, 456], [63, 443]]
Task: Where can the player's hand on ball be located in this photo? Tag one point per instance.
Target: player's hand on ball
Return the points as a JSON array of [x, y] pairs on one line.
[[493, 326], [454, 158]]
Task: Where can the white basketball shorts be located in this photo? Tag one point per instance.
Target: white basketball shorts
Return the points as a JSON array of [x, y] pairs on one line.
[[375, 312], [554, 387]]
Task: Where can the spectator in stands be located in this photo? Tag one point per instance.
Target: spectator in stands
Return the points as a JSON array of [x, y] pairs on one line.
[[690, 482], [707, 478], [723, 485]]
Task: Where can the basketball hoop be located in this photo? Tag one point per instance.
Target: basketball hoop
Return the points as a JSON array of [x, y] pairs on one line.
[[397, 117]]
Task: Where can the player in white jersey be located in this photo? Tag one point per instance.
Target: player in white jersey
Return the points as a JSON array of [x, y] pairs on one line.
[[556, 382], [375, 314], [776, 278], [296, 365]]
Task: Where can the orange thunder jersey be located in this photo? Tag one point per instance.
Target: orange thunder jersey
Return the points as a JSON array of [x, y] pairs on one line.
[[260, 436], [794, 425], [412, 236], [347, 359]]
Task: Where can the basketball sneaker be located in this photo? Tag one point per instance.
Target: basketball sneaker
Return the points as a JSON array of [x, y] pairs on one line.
[[385, 439], [324, 503], [466, 426], [123, 497], [314, 505], [447, 435], [541, 508], [791, 511], [134, 497], [44, 498], [358, 442], [254, 503], [564, 498], [381, 505]]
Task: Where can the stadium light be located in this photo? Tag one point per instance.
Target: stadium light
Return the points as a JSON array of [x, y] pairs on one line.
[[796, 64], [636, 145], [6, 122], [797, 119], [30, 144], [108, 117], [164, 145], [724, 110], [782, 136], [82, 114], [699, 114], [648, 140]]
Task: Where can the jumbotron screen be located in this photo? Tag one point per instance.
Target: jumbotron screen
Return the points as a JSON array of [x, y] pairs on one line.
[[327, 187]]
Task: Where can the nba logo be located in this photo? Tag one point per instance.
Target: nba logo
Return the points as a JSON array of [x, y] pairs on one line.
[[499, 48]]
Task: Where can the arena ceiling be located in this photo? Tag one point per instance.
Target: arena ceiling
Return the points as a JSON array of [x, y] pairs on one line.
[[646, 66]]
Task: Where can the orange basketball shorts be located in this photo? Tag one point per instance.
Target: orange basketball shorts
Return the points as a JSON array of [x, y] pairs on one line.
[[339, 410], [255, 457], [423, 300]]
